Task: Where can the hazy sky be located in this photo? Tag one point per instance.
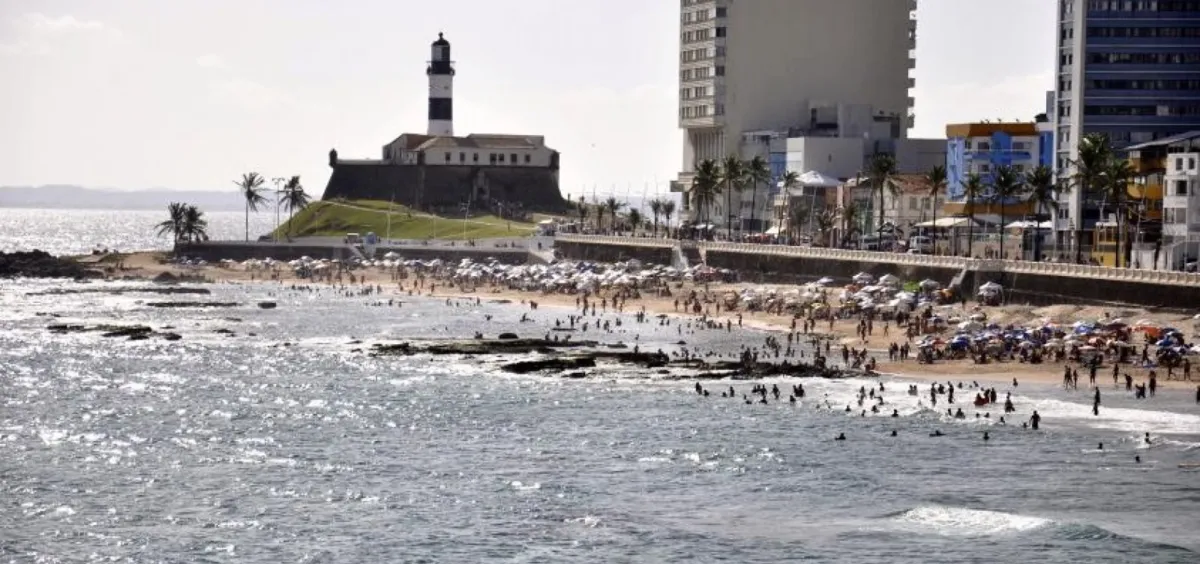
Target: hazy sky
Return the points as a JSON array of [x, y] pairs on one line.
[[188, 94]]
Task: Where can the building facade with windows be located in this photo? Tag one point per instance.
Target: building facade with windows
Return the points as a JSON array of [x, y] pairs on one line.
[[1169, 169], [771, 65], [1129, 69], [980, 148]]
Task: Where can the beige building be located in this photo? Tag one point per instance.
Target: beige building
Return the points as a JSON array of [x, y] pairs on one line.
[[770, 65]]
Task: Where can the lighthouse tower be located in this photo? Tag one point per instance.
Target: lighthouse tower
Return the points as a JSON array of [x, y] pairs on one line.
[[441, 89]]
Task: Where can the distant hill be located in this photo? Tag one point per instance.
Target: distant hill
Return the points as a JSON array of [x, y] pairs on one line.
[[78, 197]]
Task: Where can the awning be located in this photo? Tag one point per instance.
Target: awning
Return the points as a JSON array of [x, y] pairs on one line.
[[1030, 225], [772, 231], [947, 222]]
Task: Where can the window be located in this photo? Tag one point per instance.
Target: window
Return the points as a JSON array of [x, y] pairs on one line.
[[500, 158], [913, 203], [462, 157], [1178, 164], [527, 158], [447, 156], [475, 157], [1191, 163], [1180, 187], [492, 158], [513, 158], [985, 168]]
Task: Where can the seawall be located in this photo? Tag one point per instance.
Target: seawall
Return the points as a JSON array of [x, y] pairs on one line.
[[213, 251], [1023, 281]]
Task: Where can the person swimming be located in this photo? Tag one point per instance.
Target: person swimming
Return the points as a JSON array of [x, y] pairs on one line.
[[840, 437], [937, 433]]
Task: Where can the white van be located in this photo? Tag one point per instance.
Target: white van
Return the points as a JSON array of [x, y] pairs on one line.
[[920, 244]]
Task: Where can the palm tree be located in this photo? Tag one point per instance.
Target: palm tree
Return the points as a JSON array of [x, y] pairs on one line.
[[796, 215], [826, 220], [1044, 198], [613, 205], [1007, 184], [668, 209], [656, 210], [972, 191], [935, 180], [790, 179], [635, 219], [733, 176], [582, 209], [706, 186], [194, 227], [1095, 153], [251, 186], [851, 216], [1117, 177], [174, 225], [882, 175], [599, 214], [757, 172], [294, 199]]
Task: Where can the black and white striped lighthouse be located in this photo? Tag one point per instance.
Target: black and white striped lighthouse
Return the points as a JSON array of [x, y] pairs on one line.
[[441, 89]]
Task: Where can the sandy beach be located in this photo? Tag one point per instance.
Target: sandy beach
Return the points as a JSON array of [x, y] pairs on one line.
[[843, 332]]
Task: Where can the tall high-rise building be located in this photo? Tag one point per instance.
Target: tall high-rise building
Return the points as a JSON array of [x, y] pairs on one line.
[[1129, 69], [766, 65]]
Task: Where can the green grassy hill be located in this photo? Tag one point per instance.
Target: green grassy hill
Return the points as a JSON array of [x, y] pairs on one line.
[[363, 216]]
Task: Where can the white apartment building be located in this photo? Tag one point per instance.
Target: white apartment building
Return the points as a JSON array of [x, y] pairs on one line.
[[1181, 210], [748, 66]]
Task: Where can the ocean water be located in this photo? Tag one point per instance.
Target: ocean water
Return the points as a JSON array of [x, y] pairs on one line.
[[286, 443], [76, 232]]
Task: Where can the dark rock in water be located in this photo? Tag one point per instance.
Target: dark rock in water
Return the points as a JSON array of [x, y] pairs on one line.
[[563, 329], [500, 302], [134, 332], [138, 337], [618, 346], [171, 336], [507, 336], [266, 305], [478, 347], [40, 264], [191, 304], [575, 375], [354, 342], [165, 278], [565, 363], [118, 291], [223, 331]]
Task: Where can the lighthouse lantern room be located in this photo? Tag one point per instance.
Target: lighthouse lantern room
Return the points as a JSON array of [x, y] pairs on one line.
[[441, 89]]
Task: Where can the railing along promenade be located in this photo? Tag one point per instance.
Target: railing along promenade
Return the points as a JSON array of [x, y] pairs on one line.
[[994, 265]]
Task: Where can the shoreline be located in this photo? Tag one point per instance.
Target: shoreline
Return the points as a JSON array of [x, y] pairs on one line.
[[146, 266]]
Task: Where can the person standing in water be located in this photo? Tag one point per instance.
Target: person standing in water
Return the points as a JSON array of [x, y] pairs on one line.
[[1034, 420], [1096, 403]]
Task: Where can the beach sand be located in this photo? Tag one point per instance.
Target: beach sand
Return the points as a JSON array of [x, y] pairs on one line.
[[149, 265]]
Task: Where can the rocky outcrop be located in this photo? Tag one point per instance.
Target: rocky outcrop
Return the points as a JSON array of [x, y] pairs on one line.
[[477, 347], [117, 291], [191, 304], [40, 264], [130, 332]]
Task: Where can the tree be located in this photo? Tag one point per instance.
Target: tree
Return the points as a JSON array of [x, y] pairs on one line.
[[791, 179], [935, 181], [972, 191], [882, 175], [613, 206], [1044, 197], [1007, 184], [1095, 153], [656, 206], [176, 212], [668, 209], [733, 176], [195, 227], [826, 220], [1117, 177], [851, 217], [294, 199], [706, 186], [582, 209], [796, 215], [251, 186], [635, 219], [757, 172]]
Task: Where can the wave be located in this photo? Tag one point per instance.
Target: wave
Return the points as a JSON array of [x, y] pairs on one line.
[[960, 521]]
